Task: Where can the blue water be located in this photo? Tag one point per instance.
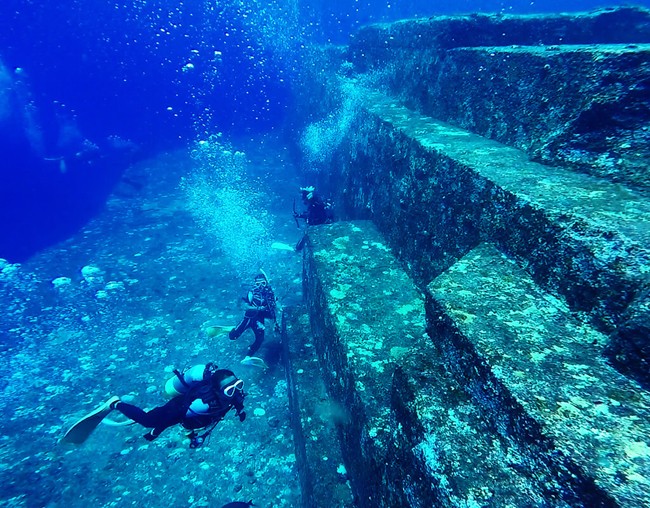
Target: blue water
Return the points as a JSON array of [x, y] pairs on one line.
[[100, 84], [102, 103]]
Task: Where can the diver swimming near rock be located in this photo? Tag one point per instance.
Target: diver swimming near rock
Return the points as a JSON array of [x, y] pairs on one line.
[[202, 396], [261, 304], [318, 211]]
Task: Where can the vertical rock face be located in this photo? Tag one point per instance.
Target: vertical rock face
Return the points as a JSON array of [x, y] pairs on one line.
[[415, 165], [570, 90], [358, 314], [410, 435], [583, 107], [323, 477], [436, 191], [502, 399], [537, 373], [511, 184], [373, 44]]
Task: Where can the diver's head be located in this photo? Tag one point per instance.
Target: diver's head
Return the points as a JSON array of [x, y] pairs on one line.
[[308, 193], [229, 386], [260, 281]]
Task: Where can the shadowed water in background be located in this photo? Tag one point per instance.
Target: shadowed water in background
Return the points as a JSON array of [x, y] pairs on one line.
[[157, 74]]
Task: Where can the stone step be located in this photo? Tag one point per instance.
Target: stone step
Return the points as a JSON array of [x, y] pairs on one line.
[[436, 191], [374, 44], [530, 364], [455, 454], [581, 107], [414, 437], [323, 479]]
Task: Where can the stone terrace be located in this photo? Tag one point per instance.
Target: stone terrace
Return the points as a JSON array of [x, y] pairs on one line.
[[502, 160]]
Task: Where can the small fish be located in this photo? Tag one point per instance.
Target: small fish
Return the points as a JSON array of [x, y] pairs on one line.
[[238, 504]]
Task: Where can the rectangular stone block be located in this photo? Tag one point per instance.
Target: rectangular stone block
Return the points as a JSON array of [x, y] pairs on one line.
[[412, 436], [365, 316], [436, 191], [373, 45], [537, 372], [581, 107]]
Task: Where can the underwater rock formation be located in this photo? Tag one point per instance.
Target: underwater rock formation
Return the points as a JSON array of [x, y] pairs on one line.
[[323, 477], [502, 160], [503, 398], [568, 89]]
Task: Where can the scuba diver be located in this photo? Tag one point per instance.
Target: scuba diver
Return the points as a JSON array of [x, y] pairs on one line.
[[202, 396], [318, 211], [261, 304]]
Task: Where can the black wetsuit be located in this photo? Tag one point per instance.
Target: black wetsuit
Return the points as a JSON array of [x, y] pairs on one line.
[[318, 211], [263, 298], [175, 411]]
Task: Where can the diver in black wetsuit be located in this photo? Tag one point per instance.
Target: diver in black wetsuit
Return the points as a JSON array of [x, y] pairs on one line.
[[318, 211], [261, 305], [203, 395]]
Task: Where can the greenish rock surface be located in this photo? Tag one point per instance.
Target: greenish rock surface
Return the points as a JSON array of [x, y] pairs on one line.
[[569, 89], [411, 435], [537, 372], [355, 329], [436, 191], [372, 45], [528, 133], [582, 107]]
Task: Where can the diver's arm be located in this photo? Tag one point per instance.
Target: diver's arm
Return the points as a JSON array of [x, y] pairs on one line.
[[249, 302]]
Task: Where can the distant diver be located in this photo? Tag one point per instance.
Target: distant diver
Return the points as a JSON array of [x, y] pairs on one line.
[[202, 396], [261, 304], [318, 211]]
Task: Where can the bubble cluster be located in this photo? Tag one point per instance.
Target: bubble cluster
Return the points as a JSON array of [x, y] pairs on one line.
[[226, 205], [320, 140]]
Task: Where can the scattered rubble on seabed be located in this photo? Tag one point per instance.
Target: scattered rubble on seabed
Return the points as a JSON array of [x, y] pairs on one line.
[[112, 311]]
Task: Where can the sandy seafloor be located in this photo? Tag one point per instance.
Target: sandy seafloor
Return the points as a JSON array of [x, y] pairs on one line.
[[66, 351]]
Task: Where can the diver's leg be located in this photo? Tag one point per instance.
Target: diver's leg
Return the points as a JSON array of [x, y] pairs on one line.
[[144, 418], [236, 332], [301, 243], [162, 416], [258, 330]]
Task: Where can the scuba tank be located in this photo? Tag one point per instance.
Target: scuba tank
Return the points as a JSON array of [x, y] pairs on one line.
[[204, 411], [182, 382]]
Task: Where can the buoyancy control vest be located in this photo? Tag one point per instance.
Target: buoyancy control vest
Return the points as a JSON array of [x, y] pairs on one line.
[[196, 384], [263, 298]]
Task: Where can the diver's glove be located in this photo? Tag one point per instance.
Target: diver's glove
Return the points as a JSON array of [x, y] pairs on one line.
[[242, 415]]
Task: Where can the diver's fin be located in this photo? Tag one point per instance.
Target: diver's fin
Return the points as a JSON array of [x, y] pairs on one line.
[[254, 361], [81, 430], [301, 243], [215, 330], [113, 423]]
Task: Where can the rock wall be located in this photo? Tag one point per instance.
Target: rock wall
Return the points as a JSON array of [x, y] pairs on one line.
[[413, 163], [511, 185], [556, 87], [410, 435]]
